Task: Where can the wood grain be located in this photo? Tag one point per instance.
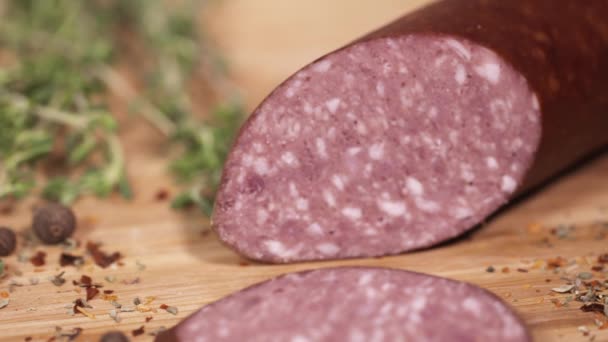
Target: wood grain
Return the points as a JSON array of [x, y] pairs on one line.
[[265, 41]]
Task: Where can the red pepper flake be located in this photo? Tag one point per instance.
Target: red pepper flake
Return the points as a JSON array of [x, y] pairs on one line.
[[38, 259], [67, 259], [556, 302], [162, 195], [137, 332], [86, 280], [522, 270], [243, 263], [547, 280], [556, 262], [108, 291], [603, 259], [597, 268], [101, 258], [29, 338], [148, 319], [4, 294], [92, 292], [593, 307], [164, 306], [505, 269]]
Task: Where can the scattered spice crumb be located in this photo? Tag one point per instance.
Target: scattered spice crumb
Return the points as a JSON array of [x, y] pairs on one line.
[[603, 258], [66, 259], [58, 279], [505, 270], [110, 279], [140, 265], [137, 332], [157, 331], [243, 263], [162, 194], [114, 315], [34, 281], [556, 302], [28, 338], [522, 270], [39, 259], [4, 303], [131, 282], [149, 318], [108, 291], [490, 269], [593, 307], [84, 312]]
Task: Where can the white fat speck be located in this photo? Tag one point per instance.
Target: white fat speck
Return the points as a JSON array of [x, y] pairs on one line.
[[258, 147], [467, 175], [308, 108], [368, 169], [489, 71], [414, 186], [461, 74], [315, 229], [472, 305], [370, 232], [356, 336], [276, 247], [453, 135], [328, 248], [380, 88], [433, 112], [322, 66], [517, 144], [491, 163], [352, 213], [199, 338], [293, 190], [361, 129], [321, 149], [300, 338], [392, 208], [515, 167], [459, 48], [535, 103], [262, 216], [386, 68], [508, 184], [462, 213], [223, 331], [289, 158], [427, 205], [405, 140], [418, 303], [247, 159], [333, 104], [338, 182], [403, 69], [261, 166], [406, 100], [294, 129], [365, 279], [329, 198], [376, 151], [302, 204], [439, 61], [353, 151]]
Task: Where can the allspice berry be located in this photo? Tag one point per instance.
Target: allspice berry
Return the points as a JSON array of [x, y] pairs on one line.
[[53, 223], [114, 336], [8, 241]]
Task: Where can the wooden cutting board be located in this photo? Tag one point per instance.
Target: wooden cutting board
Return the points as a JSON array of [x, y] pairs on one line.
[[266, 40]]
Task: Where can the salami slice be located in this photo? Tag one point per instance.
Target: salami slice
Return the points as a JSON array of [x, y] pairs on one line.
[[415, 133], [354, 304]]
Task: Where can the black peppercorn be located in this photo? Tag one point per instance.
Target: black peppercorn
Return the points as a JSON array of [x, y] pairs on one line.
[[8, 241], [53, 223], [114, 336]]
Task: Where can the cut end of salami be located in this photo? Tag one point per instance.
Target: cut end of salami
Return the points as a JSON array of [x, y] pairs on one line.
[[388, 145], [354, 304]]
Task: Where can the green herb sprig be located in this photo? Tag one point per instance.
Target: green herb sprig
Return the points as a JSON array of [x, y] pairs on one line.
[[58, 76]]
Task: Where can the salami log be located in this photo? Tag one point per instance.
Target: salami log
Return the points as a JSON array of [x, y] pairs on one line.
[[354, 304], [418, 131]]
